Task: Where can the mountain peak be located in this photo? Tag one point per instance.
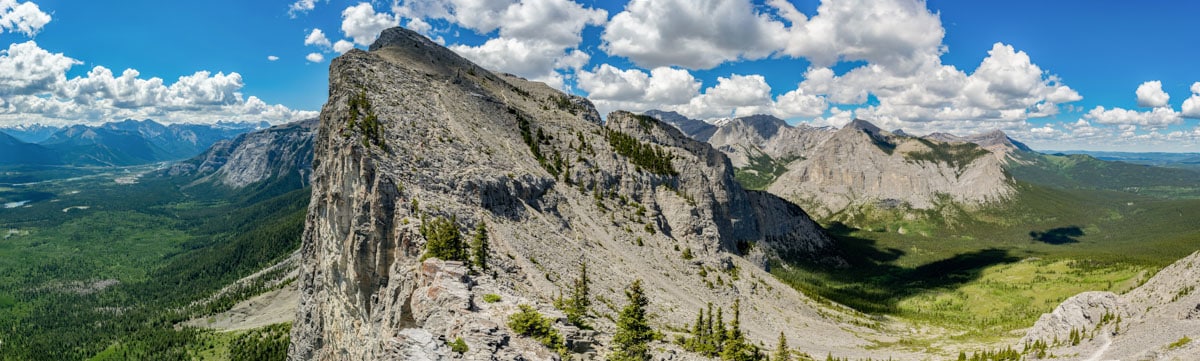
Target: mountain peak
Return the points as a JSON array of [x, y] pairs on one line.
[[401, 37], [765, 126], [418, 52], [996, 138], [697, 129], [862, 125]]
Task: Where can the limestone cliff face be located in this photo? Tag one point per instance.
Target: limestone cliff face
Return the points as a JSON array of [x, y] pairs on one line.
[[412, 132], [1141, 324], [863, 166], [280, 152]]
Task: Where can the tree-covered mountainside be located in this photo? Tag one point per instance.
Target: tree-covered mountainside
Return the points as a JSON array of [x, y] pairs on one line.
[[107, 263], [1081, 171]]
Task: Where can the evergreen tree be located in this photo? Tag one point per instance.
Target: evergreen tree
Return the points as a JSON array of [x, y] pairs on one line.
[[735, 327], [709, 328], [580, 302], [443, 240], [735, 346], [719, 331], [633, 335], [697, 331], [781, 352], [480, 246]]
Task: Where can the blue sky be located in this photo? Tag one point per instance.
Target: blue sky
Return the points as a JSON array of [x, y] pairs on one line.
[[1060, 74]]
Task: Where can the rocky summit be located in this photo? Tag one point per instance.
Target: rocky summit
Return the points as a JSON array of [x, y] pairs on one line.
[[414, 137]]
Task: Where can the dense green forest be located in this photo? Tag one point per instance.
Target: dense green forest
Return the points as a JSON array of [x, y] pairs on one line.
[[92, 268]]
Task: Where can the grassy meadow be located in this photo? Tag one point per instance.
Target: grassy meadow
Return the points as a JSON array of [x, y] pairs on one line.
[[982, 275]]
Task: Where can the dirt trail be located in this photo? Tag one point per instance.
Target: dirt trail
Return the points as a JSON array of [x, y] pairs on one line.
[[1100, 353]]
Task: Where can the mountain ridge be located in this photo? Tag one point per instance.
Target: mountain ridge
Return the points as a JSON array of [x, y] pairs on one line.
[[554, 187], [832, 171]]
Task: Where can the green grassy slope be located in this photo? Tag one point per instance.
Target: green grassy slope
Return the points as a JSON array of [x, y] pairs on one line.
[[984, 273], [1080, 171]]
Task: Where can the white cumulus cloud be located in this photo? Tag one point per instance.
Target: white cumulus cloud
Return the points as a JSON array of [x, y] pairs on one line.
[[1151, 95], [272, 58], [744, 94], [1156, 118], [1191, 106], [1003, 92], [797, 103], [314, 57], [26, 69], [316, 38], [901, 35], [691, 34], [899, 43], [342, 46], [36, 89], [362, 24], [22, 17], [537, 39], [674, 89]]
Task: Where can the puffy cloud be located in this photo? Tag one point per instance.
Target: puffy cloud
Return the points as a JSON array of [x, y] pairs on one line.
[[692, 34], [22, 17], [418, 25], [901, 35], [314, 57], [537, 38], [837, 118], [607, 82], [300, 7], [362, 24], [797, 103], [41, 92], [671, 86], [575, 59], [611, 88], [1191, 106], [533, 60], [272, 58], [1151, 95], [316, 38], [342, 46], [204, 88], [1047, 131], [26, 68], [1154, 119], [736, 95], [483, 16], [1005, 90]]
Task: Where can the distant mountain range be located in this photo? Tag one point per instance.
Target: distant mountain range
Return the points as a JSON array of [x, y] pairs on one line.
[[127, 142], [1185, 160], [860, 166], [859, 169]]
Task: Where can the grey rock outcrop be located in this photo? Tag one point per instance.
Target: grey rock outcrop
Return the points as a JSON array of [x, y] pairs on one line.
[[1147, 323], [862, 167], [279, 152], [412, 132]]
